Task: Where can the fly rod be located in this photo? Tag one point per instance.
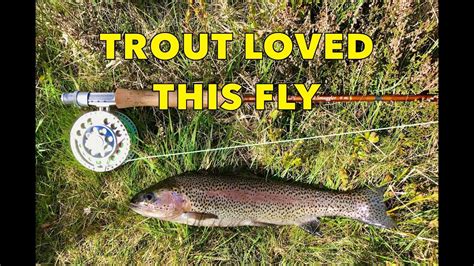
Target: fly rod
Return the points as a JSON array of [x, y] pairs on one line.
[[124, 98]]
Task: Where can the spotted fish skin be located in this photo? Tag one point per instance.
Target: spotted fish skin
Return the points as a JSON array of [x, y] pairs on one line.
[[206, 199]]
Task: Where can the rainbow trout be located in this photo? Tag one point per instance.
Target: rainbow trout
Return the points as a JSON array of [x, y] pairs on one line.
[[204, 199]]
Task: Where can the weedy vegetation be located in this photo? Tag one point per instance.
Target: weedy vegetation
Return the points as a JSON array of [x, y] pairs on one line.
[[83, 217]]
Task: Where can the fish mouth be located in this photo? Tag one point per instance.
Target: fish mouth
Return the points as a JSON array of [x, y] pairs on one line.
[[142, 210], [134, 206], [137, 208]]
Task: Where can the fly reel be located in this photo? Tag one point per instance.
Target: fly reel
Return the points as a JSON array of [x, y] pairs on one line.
[[101, 140]]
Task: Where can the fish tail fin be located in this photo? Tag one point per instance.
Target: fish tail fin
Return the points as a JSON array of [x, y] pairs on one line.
[[373, 210]]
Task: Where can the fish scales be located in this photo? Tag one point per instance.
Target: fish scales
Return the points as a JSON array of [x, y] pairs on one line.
[[235, 200]]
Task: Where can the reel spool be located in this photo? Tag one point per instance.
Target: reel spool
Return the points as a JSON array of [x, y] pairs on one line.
[[102, 141]]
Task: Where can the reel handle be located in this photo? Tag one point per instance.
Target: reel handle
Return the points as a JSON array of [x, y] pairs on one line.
[[135, 98]]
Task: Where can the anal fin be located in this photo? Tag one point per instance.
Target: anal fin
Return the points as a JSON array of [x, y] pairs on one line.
[[312, 227], [257, 223]]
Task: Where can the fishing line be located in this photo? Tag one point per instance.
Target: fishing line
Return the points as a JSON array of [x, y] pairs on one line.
[[283, 141]]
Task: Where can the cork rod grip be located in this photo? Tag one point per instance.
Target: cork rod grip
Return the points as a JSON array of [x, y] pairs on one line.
[[136, 98]]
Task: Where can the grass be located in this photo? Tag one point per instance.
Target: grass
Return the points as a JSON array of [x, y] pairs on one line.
[[83, 217]]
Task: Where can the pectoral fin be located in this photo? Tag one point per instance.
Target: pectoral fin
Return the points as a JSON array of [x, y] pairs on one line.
[[199, 216], [312, 227]]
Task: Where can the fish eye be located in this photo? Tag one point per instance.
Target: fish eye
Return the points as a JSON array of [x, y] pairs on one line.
[[149, 196]]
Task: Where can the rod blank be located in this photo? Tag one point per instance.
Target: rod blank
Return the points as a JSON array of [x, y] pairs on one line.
[[356, 98]]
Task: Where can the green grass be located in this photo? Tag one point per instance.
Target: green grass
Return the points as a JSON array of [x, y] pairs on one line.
[[405, 60]]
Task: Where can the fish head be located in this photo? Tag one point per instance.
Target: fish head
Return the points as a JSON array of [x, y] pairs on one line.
[[161, 203]]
